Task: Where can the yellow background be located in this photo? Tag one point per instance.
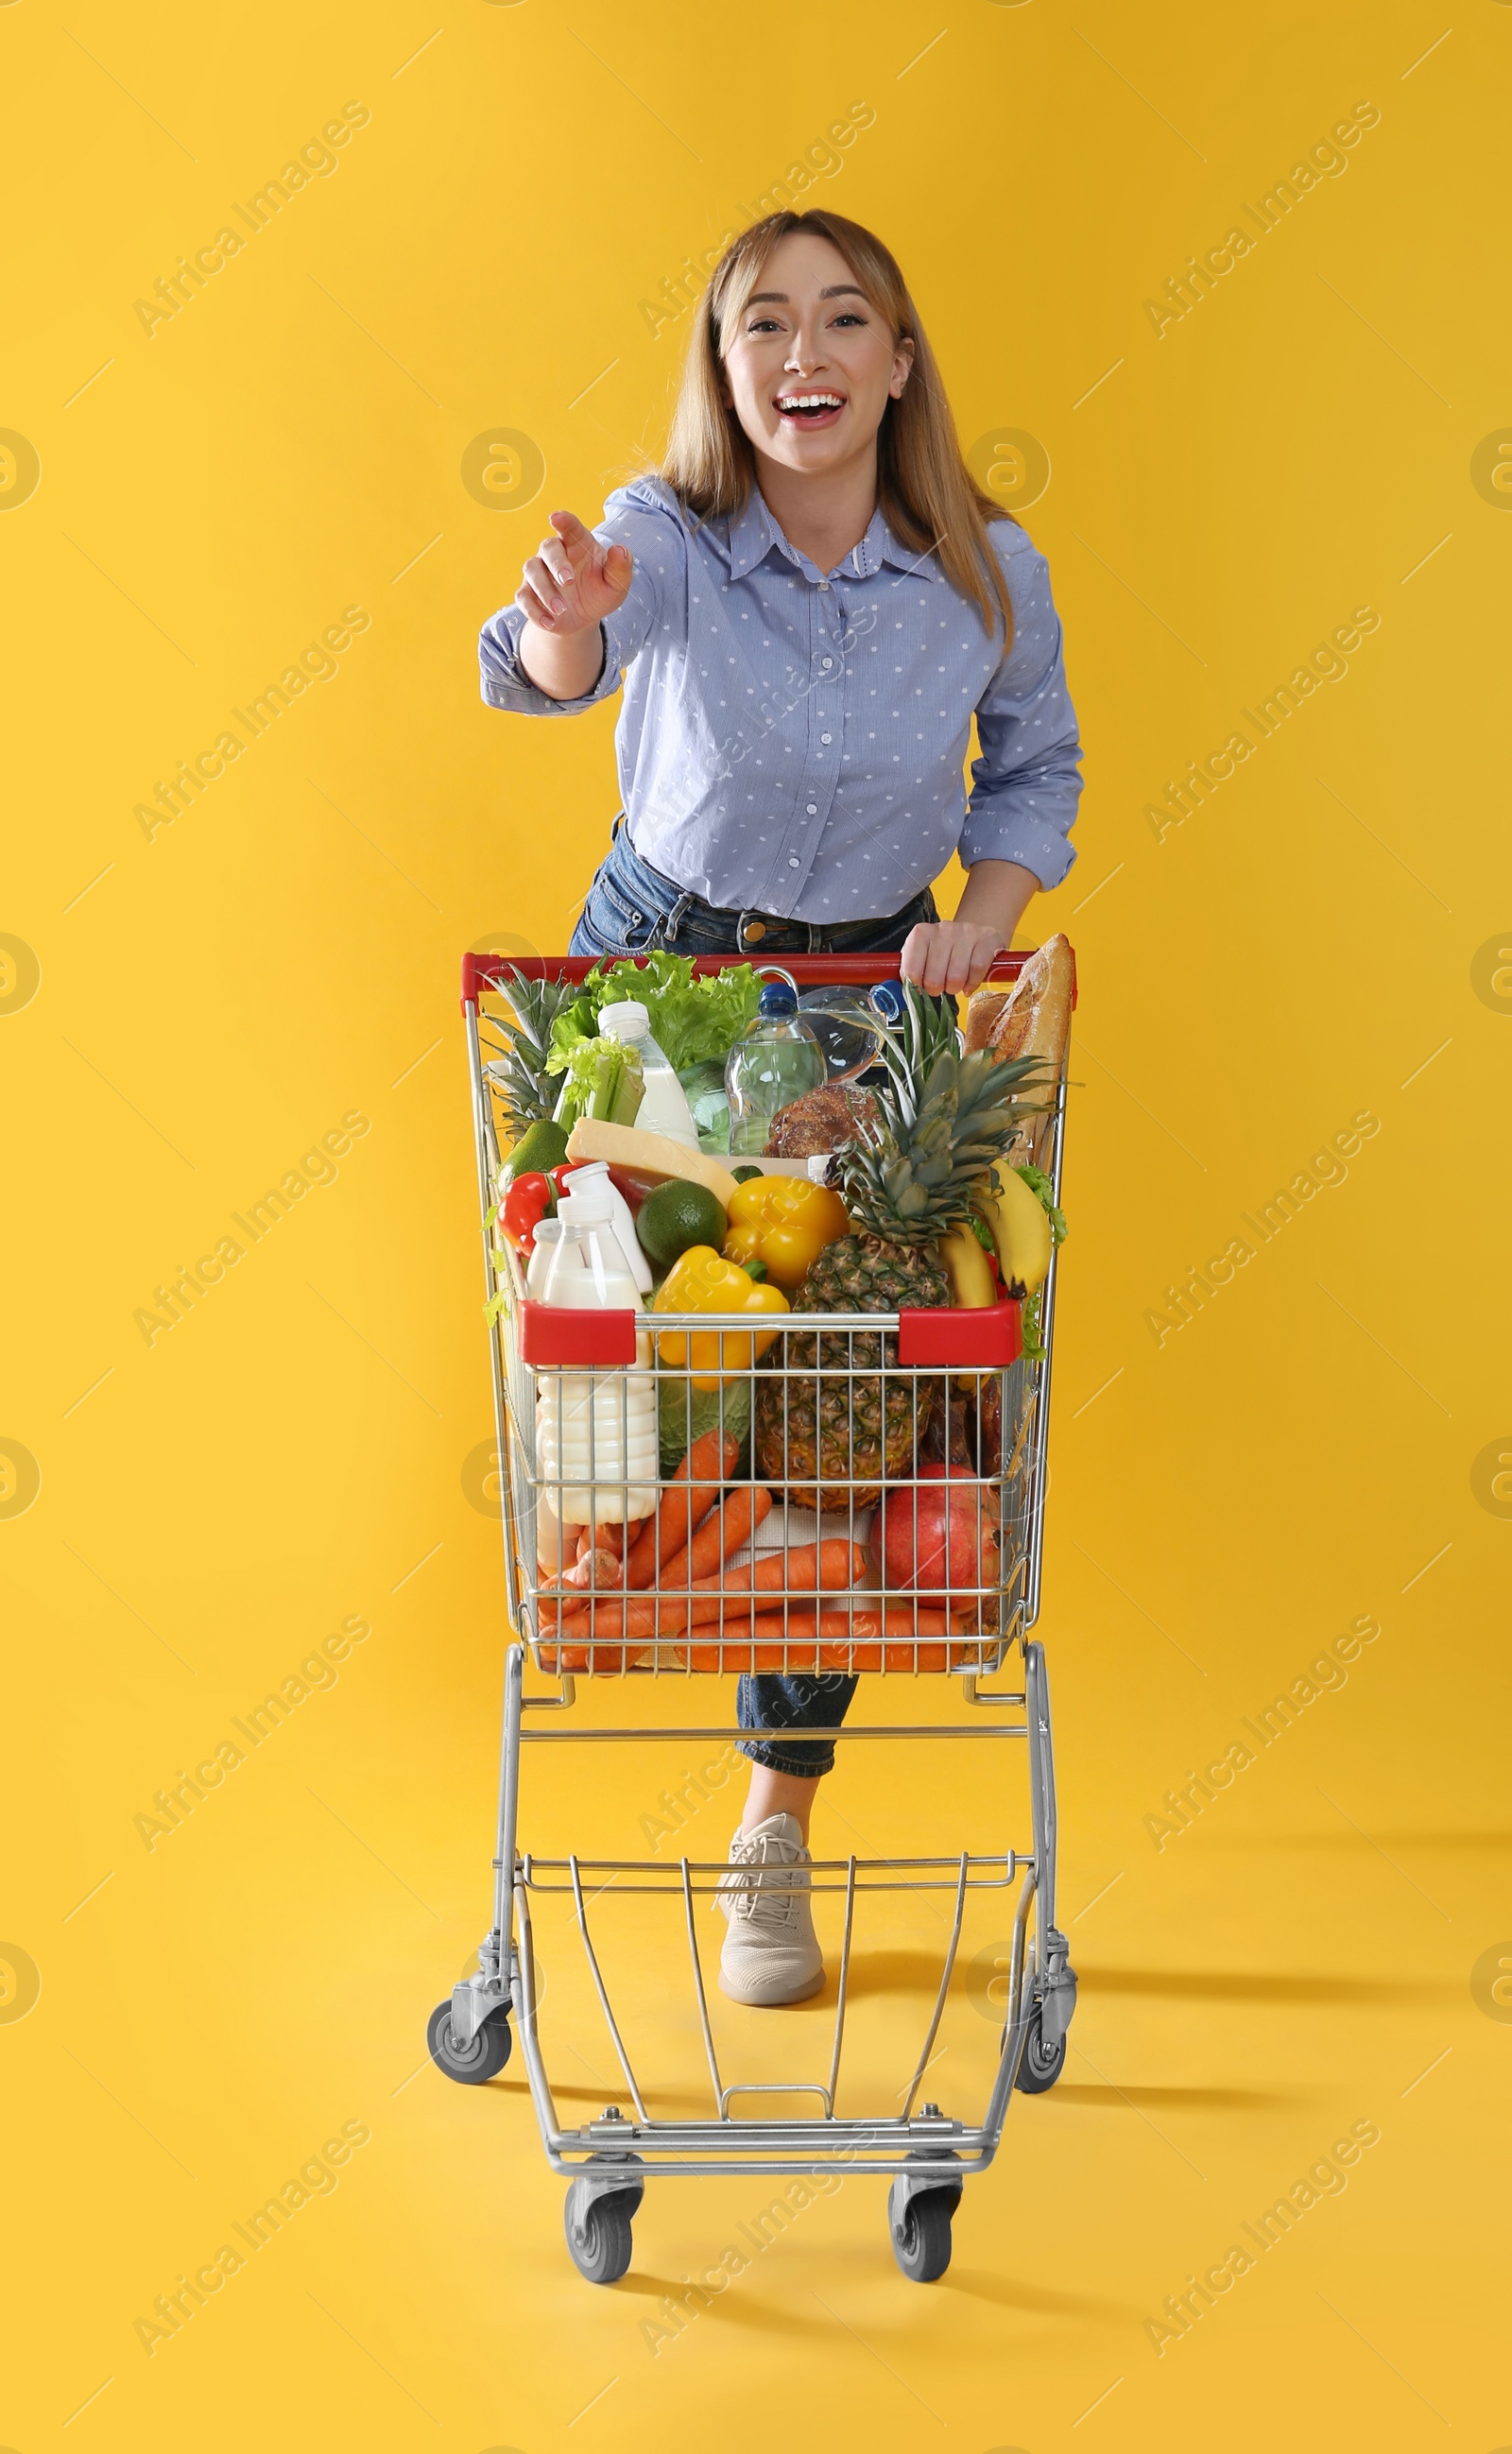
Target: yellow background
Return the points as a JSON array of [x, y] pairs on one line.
[[295, 1451]]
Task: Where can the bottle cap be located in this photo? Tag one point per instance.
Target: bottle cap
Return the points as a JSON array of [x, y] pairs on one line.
[[888, 1000], [628, 1019], [591, 1207], [778, 998]]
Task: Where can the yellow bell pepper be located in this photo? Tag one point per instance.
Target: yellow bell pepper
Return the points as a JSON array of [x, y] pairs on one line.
[[784, 1222], [701, 1281]]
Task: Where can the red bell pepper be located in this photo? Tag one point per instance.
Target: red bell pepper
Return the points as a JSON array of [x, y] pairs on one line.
[[528, 1201]]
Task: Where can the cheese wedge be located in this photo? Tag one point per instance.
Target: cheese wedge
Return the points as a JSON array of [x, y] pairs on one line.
[[627, 1146]]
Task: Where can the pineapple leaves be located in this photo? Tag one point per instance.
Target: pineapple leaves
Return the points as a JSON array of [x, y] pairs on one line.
[[521, 1040]]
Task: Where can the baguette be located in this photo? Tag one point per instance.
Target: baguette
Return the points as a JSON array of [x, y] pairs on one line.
[[1033, 1020], [982, 1010]]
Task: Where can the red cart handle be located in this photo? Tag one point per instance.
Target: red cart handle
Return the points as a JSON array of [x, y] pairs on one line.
[[480, 972], [978, 1339]]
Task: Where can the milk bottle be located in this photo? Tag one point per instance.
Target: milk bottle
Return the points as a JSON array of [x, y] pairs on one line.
[[595, 1432]]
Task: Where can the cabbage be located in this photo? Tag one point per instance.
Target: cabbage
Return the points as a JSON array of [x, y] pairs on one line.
[[684, 1413]]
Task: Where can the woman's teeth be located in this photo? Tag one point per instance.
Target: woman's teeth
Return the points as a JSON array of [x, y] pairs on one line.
[[807, 404]]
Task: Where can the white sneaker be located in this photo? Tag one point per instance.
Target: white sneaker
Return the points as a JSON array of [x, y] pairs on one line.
[[770, 1953]]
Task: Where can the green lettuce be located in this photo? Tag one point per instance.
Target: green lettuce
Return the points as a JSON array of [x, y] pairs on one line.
[[1045, 1193], [1029, 1320], [692, 1022]]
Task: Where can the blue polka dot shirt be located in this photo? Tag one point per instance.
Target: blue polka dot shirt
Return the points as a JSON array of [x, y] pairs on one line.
[[793, 741]]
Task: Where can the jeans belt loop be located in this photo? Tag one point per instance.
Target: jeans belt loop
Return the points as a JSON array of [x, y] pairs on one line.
[[673, 920]]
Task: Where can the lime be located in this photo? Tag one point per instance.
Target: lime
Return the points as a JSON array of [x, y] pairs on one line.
[[541, 1147], [676, 1215]]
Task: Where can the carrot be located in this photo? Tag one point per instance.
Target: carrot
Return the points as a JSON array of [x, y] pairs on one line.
[[727, 1658], [823, 1567], [720, 1532], [639, 1618], [685, 1502], [896, 1620]]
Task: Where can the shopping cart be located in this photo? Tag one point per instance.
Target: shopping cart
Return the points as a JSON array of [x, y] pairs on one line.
[[956, 1378]]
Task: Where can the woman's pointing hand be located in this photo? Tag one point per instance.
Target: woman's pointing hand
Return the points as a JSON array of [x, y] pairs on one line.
[[573, 581]]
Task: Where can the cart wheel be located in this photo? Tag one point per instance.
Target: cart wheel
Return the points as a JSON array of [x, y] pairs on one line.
[[472, 2063], [921, 2237], [1041, 2064], [599, 2226]]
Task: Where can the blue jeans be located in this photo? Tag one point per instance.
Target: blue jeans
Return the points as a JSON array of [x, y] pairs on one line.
[[632, 908]]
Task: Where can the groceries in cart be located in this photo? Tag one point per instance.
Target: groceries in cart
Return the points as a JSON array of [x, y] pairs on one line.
[[772, 1409], [771, 1482]]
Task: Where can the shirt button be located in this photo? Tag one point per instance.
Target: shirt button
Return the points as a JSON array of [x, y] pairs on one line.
[[826, 736], [824, 588], [793, 862], [826, 662], [814, 808]]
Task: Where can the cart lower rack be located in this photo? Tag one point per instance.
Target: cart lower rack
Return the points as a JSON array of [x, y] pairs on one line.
[[831, 1415]]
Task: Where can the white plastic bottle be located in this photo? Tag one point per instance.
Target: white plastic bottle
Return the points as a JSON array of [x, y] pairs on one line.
[[595, 1432], [543, 1252], [664, 1108], [597, 1172]]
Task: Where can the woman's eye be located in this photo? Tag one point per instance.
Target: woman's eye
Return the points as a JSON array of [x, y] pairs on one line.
[[850, 316], [763, 324]]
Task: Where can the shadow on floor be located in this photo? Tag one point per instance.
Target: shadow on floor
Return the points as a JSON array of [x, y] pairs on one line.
[[1009, 2292], [1344, 1838], [1256, 1986], [1172, 2099], [890, 1972]]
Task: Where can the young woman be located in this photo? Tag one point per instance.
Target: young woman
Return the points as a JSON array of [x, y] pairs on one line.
[[808, 606]]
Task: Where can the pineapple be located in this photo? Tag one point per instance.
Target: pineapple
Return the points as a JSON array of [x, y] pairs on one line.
[[856, 1422], [520, 1083]]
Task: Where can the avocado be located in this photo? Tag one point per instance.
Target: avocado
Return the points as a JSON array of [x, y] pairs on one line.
[[540, 1148]]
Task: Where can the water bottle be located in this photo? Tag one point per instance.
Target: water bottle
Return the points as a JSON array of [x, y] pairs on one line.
[[777, 1060], [595, 1432], [664, 1108]]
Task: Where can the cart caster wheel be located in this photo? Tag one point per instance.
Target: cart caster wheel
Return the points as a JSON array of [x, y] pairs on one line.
[[472, 2063], [598, 2228], [920, 2225], [1041, 2064], [921, 2237]]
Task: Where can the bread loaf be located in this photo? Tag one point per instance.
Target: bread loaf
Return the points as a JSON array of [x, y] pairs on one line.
[[1033, 1020], [982, 1011]]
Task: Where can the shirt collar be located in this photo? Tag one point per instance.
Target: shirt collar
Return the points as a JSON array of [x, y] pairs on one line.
[[754, 533]]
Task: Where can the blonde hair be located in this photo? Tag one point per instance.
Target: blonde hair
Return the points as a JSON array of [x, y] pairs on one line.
[[925, 490]]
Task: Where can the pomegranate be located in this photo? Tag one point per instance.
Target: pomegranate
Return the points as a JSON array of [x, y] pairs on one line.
[[939, 1536]]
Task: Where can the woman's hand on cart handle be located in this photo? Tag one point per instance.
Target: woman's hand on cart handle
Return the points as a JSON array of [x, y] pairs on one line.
[[951, 957]]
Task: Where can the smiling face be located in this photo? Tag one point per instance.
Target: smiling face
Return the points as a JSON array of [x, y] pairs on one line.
[[811, 365]]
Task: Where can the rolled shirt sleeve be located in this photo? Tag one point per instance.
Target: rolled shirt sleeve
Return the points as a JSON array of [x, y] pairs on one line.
[[502, 677], [1027, 782]]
